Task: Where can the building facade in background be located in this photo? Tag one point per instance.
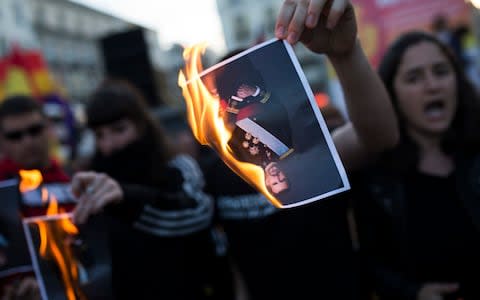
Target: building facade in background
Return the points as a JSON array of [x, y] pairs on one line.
[[16, 25], [67, 34]]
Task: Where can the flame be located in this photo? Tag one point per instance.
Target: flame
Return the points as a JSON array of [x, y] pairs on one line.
[[54, 234], [207, 125], [30, 180]]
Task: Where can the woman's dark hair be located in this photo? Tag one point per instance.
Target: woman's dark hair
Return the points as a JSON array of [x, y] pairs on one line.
[[463, 135], [114, 100]]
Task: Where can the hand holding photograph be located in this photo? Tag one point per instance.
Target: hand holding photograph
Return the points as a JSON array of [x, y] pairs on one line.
[[257, 111]]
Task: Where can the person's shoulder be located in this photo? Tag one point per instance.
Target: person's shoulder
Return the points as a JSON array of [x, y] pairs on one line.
[[187, 168], [183, 161], [8, 169], [55, 172], [207, 158]]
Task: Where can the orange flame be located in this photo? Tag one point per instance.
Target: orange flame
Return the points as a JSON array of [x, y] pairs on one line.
[[207, 125], [54, 235], [30, 180]]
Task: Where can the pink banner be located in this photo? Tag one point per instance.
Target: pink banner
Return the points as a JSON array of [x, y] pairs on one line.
[[380, 21]]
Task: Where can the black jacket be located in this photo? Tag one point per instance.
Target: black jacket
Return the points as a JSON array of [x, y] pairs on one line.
[[162, 227], [381, 214], [299, 253]]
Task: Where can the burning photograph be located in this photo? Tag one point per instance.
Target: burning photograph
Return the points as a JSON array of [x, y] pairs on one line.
[[257, 111], [69, 262], [53, 242]]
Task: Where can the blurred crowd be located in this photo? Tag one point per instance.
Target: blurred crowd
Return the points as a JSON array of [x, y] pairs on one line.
[[181, 225]]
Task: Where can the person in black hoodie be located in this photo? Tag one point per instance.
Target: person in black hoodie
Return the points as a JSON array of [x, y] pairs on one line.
[[160, 217]]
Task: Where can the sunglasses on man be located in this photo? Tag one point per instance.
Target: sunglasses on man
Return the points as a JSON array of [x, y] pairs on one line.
[[16, 135]]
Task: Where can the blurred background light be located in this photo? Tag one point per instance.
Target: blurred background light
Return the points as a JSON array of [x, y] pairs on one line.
[[475, 3]]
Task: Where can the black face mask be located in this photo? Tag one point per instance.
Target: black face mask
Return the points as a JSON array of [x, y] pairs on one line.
[[132, 163]]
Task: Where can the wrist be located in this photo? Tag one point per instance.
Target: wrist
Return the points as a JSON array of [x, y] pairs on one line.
[[346, 57], [347, 64]]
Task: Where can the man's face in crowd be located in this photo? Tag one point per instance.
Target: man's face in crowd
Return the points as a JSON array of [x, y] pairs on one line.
[[24, 139], [275, 179]]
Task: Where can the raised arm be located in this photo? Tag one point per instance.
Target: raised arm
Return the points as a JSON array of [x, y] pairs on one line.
[[329, 27]]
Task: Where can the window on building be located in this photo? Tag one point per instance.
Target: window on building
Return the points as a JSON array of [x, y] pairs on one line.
[[3, 47], [70, 21], [39, 16], [241, 28], [61, 21], [18, 13], [51, 16]]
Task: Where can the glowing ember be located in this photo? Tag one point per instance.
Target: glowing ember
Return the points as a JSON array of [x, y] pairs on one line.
[[207, 125], [54, 236]]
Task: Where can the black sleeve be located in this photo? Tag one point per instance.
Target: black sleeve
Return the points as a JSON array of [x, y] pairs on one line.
[[170, 197], [182, 197]]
